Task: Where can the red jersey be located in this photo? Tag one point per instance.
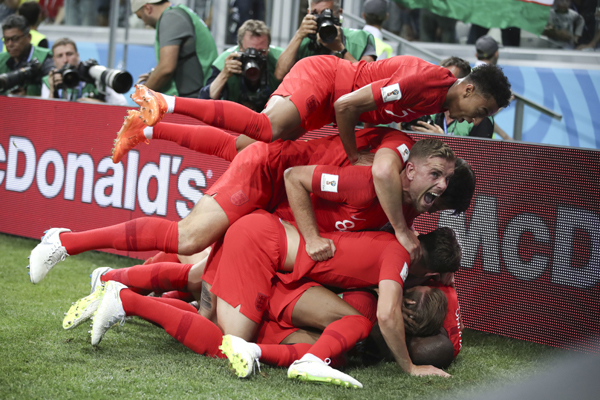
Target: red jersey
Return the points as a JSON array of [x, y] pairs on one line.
[[452, 322], [344, 199], [362, 259], [404, 88]]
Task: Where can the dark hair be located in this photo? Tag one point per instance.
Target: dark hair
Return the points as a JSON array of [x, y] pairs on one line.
[[463, 66], [374, 19], [490, 81], [31, 11], [461, 188], [63, 42], [426, 148], [441, 251], [16, 21], [434, 350], [429, 312]]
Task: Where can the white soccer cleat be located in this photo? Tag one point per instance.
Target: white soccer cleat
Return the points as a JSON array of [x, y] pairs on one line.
[[46, 254], [84, 308], [318, 372], [241, 354], [110, 311], [95, 277]]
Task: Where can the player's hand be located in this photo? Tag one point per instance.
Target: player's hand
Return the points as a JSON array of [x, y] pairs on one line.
[[337, 44], [411, 243], [423, 126], [232, 66], [308, 26], [424, 370], [320, 249], [365, 159]]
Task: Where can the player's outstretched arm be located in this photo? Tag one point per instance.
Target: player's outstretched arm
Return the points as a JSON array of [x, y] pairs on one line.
[[348, 109], [298, 184], [391, 324], [387, 167]]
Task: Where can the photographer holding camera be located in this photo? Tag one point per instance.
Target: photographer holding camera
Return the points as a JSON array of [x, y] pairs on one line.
[[320, 33], [245, 73], [64, 82], [22, 65]]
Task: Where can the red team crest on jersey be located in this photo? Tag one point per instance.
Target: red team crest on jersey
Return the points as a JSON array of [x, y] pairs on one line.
[[311, 104], [261, 301], [239, 198]]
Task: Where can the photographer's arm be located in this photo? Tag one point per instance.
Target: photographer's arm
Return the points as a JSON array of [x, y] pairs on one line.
[[165, 68], [287, 58], [232, 67], [347, 113]]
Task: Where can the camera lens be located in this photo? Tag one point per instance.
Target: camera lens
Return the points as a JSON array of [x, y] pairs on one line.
[[70, 78], [327, 32]]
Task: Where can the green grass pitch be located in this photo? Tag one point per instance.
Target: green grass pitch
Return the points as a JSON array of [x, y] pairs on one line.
[[38, 359]]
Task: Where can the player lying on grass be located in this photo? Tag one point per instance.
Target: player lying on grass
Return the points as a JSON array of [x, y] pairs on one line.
[[255, 181], [257, 243]]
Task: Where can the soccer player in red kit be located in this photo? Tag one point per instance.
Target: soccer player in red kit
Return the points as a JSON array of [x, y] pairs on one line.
[[253, 181], [323, 89]]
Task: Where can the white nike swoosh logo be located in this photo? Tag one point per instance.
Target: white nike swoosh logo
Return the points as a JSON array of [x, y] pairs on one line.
[[357, 219], [396, 115]]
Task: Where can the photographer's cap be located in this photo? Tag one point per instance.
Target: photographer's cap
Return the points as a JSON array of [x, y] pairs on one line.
[[486, 46], [377, 7], [137, 4]]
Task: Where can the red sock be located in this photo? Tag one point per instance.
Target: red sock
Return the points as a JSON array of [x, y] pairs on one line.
[[162, 257], [181, 296], [191, 329], [364, 302], [282, 355], [140, 234], [227, 115], [159, 277], [340, 336], [202, 138], [182, 305]]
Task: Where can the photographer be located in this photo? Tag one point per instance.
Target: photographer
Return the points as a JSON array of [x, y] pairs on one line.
[[66, 57], [245, 73], [34, 62], [349, 44]]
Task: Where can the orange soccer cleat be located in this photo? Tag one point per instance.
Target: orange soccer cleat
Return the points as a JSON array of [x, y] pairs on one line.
[[152, 104], [131, 133]]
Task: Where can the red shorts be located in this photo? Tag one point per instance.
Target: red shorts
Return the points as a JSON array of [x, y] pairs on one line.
[[247, 184], [253, 249], [314, 84], [278, 325]]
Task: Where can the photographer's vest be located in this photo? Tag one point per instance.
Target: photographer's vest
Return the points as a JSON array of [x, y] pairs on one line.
[[382, 47], [36, 38], [355, 41], [72, 94], [40, 54], [455, 128], [206, 49], [234, 88]]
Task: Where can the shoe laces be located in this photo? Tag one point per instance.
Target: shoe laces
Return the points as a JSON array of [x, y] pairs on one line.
[[57, 255]]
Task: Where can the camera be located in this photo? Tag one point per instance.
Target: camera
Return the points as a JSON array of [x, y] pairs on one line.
[[254, 67], [408, 126], [27, 74], [89, 71], [326, 26]]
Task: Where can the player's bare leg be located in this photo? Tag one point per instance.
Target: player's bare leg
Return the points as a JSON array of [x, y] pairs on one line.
[[318, 307], [233, 322], [284, 117], [202, 227]]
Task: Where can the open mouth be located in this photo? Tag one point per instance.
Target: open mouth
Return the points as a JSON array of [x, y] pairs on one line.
[[430, 198]]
